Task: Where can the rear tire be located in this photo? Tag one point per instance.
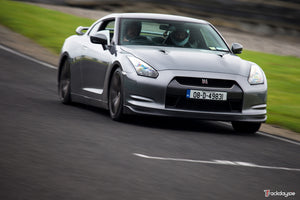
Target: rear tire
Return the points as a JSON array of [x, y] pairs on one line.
[[115, 96], [246, 127], [64, 84]]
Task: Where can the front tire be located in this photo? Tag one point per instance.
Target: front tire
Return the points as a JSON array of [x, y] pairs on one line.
[[64, 84], [115, 96], [246, 127]]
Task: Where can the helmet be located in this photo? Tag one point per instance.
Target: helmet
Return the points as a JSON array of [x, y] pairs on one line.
[[180, 36]]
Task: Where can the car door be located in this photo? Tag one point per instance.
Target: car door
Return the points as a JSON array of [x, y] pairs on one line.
[[95, 63]]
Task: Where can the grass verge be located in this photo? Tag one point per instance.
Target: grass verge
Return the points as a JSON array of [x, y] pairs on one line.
[[283, 75], [50, 28], [46, 27]]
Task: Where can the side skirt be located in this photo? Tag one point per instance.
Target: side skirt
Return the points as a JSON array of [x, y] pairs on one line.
[[89, 101]]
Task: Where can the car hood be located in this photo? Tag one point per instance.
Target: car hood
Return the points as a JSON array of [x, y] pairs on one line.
[[172, 58]]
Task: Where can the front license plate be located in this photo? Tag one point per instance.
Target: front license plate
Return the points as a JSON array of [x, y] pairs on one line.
[[206, 95]]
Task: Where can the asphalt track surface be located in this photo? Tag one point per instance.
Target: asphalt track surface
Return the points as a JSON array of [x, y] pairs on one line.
[[52, 151]]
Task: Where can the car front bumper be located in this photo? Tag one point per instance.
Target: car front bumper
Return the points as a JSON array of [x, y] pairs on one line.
[[148, 96]]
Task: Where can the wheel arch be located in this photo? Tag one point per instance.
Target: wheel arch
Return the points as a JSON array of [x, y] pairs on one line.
[[115, 66], [62, 60]]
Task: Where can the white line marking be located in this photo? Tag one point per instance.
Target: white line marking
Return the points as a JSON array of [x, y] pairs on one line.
[[216, 162], [27, 57], [268, 135], [278, 138]]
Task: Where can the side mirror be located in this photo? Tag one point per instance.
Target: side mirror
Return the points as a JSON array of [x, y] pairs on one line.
[[101, 37], [80, 29], [236, 48]]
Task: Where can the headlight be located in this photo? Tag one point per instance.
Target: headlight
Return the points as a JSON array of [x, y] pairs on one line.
[[256, 75], [142, 68]]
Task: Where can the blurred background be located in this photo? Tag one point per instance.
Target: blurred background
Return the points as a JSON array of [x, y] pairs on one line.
[[263, 17]]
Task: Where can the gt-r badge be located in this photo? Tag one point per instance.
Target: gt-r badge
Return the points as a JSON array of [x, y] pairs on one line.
[[204, 81]]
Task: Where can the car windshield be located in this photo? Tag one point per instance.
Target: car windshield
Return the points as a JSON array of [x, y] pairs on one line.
[[171, 34]]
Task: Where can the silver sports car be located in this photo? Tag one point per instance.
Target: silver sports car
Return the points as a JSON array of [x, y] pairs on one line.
[[167, 65]]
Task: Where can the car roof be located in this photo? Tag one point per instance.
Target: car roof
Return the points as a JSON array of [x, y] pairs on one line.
[[155, 16]]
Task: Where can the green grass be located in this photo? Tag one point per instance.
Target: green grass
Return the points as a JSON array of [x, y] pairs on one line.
[[283, 75], [46, 27], [50, 28]]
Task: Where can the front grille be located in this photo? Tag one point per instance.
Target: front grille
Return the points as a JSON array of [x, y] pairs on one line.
[[218, 83], [176, 96]]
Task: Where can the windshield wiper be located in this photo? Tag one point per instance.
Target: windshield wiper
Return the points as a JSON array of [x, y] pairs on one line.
[[218, 49]]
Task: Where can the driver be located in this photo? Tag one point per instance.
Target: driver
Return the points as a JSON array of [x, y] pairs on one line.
[[180, 36], [132, 31]]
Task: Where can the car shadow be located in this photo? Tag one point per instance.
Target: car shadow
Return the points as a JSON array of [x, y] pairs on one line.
[[184, 124], [170, 123]]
